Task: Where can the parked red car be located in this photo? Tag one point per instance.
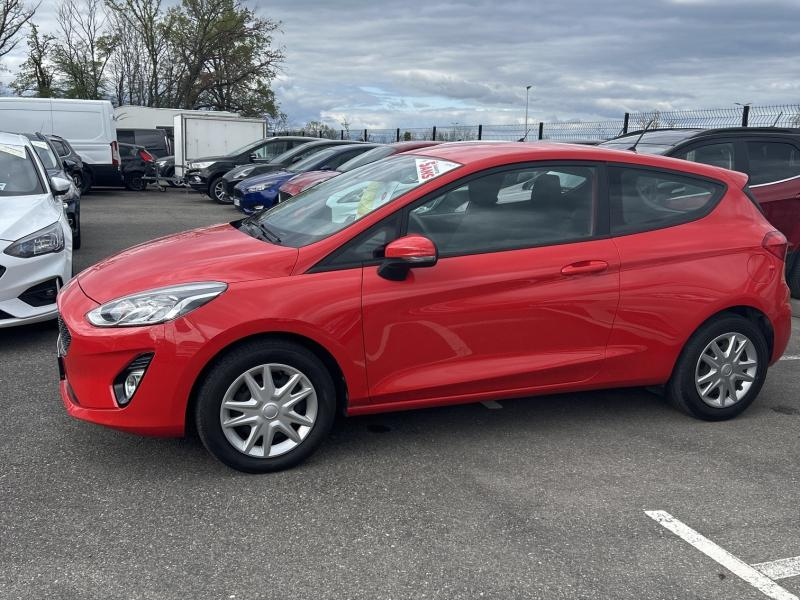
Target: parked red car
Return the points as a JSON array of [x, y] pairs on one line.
[[303, 181], [466, 272]]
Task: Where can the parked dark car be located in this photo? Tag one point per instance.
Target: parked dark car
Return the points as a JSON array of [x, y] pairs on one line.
[[55, 168], [136, 163], [260, 192], [156, 141], [279, 163], [205, 174], [769, 155], [73, 163]]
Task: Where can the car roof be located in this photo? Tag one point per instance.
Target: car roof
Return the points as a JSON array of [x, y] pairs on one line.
[[675, 135], [14, 139], [480, 155]]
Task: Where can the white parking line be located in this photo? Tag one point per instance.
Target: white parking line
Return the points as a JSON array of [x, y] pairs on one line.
[[791, 357], [736, 566], [780, 569], [492, 405]]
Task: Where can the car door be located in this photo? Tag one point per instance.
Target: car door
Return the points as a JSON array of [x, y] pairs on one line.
[[774, 169], [523, 296]]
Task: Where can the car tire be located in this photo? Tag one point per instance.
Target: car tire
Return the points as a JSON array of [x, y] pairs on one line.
[[693, 373], [87, 181], [793, 277], [226, 388], [134, 182], [216, 189]]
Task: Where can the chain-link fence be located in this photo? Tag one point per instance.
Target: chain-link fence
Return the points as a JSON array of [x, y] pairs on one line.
[[577, 131]]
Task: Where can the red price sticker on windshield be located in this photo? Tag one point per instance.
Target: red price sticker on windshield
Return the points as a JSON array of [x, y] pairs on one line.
[[428, 168]]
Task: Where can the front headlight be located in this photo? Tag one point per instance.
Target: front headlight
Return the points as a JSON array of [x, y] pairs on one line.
[[258, 188], [155, 306], [201, 165], [45, 241]]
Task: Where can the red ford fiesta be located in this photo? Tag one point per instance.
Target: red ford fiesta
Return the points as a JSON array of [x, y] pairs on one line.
[[459, 273]]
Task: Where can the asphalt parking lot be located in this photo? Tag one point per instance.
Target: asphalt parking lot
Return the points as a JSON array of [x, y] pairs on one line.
[[536, 498]]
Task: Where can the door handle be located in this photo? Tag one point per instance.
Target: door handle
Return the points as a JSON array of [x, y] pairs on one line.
[[584, 267]]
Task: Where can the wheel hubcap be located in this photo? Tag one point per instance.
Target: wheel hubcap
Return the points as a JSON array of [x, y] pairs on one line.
[[726, 370], [219, 189], [268, 410]]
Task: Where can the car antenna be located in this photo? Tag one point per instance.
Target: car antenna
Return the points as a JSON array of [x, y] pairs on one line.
[[641, 135], [775, 122]]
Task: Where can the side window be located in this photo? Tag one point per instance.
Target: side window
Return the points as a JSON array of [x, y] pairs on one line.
[[507, 210], [772, 161], [272, 149], [716, 155], [342, 158], [126, 137], [644, 199], [368, 246]]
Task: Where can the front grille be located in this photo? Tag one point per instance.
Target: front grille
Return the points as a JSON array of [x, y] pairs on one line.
[[64, 337], [283, 196], [237, 193]]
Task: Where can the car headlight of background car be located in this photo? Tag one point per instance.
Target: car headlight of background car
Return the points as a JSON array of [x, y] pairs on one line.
[[45, 241], [201, 165], [155, 306], [258, 188]]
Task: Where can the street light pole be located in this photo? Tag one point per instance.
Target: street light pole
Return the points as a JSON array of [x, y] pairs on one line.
[[527, 91]]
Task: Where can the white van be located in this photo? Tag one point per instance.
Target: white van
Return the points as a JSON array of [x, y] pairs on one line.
[[88, 125]]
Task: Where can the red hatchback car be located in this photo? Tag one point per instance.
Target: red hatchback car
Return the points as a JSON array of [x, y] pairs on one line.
[[461, 273]]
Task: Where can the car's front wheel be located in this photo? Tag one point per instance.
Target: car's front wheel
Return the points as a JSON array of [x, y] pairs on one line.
[[721, 369], [216, 190], [265, 406]]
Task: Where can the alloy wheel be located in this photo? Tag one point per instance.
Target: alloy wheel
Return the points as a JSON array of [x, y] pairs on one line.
[[219, 190], [268, 410], [726, 370]]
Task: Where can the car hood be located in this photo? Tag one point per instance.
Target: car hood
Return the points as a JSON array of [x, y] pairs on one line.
[[218, 253], [303, 181], [260, 169], [268, 178], [21, 215]]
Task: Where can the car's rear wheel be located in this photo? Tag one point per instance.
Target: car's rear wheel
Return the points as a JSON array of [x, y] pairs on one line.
[[721, 369], [265, 406], [134, 182], [216, 189]]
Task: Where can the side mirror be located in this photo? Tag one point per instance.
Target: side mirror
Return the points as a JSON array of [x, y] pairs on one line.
[[59, 185], [412, 251], [253, 157]]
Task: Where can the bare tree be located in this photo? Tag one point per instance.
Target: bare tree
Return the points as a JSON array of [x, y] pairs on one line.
[[14, 15], [83, 48]]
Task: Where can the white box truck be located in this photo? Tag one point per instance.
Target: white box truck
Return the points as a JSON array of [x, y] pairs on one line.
[[88, 125], [212, 134]]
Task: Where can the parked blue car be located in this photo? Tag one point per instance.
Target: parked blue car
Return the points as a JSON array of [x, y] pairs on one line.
[[261, 191]]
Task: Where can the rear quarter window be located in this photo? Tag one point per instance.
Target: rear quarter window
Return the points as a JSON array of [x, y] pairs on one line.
[[772, 161], [645, 199]]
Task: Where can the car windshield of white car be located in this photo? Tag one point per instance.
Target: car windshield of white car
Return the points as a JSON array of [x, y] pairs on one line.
[[18, 175], [328, 207]]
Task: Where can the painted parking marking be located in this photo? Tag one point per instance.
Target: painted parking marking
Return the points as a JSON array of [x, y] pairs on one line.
[[738, 567], [492, 405], [791, 357], [780, 569]]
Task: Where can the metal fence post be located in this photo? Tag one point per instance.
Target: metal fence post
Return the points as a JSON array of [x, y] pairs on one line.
[[434, 133], [745, 115], [541, 130], [480, 131], [366, 138], [341, 134], [625, 123], [398, 134]]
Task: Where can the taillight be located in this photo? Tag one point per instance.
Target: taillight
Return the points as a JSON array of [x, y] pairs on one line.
[[775, 243], [146, 156], [114, 154]]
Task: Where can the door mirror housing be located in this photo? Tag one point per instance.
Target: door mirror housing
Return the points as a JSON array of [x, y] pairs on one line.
[[409, 252], [253, 157], [59, 185]]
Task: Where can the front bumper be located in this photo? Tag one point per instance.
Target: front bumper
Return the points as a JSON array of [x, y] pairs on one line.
[[197, 180], [253, 202], [91, 358], [22, 274]]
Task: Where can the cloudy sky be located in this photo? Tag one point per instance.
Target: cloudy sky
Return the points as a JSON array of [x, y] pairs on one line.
[[419, 63]]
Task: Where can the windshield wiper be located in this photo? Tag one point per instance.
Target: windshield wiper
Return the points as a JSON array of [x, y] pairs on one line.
[[269, 234]]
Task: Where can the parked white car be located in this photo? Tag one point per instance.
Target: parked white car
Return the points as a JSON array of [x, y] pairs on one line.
[[35, 236]]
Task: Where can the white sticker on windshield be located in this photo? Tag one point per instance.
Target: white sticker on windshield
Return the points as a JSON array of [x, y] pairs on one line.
[[17, 151], [39, 144], [428, 168]]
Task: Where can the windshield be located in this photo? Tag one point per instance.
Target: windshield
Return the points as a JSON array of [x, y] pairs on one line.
[[641, 148], [297, 153], [331, 206], [244, 148], [45, 154], [366, 158], [309, 162], [18, 175], [659, 141]]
